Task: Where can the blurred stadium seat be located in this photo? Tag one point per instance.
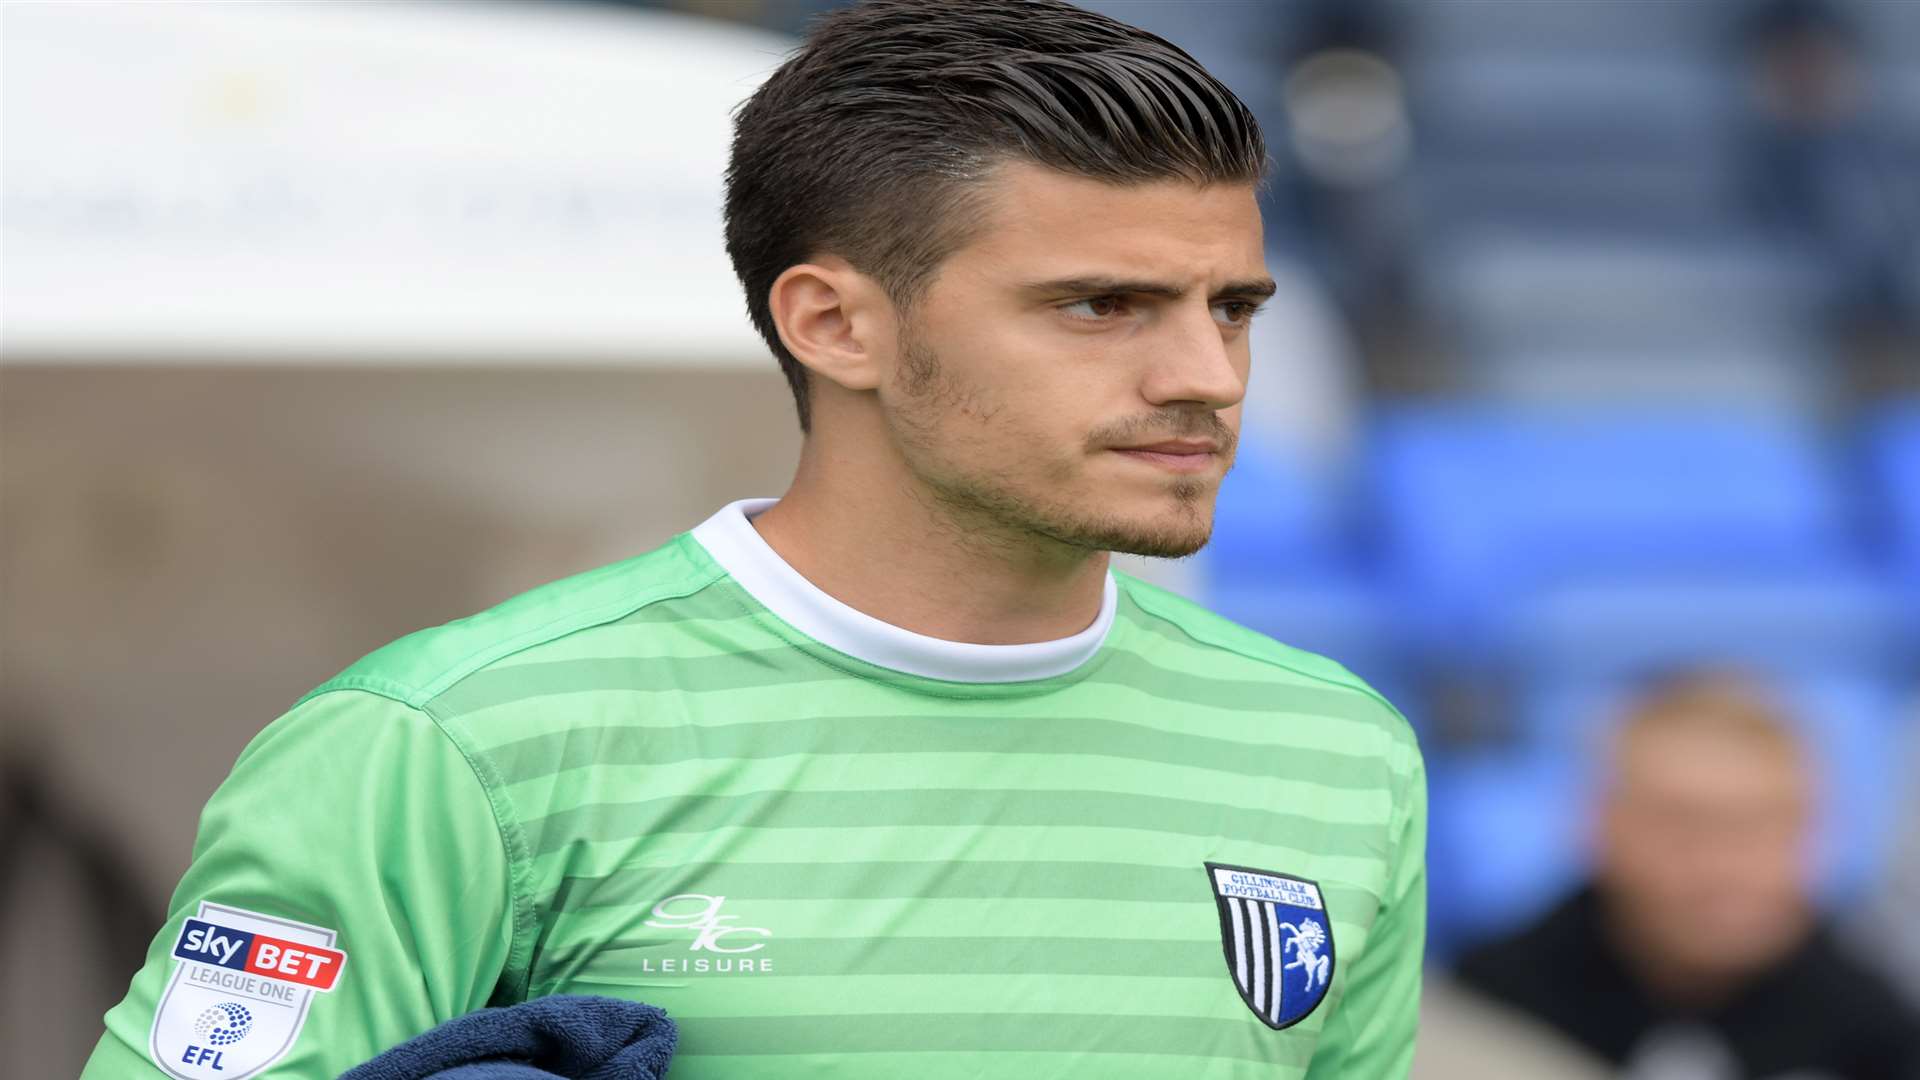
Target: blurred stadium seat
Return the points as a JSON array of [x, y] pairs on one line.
[[1893, 464], [1844, 619], [1500, 286], [1277, 517], [1480, 505], [1781, 371], [1510, 838]]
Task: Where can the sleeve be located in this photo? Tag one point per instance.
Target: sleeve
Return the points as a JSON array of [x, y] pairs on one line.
[[349, 889], [1371, 1035]]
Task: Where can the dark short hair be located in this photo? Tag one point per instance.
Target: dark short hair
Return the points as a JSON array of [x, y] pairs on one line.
[[871, 141]]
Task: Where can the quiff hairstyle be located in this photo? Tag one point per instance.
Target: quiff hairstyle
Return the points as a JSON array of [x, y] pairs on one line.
[[874, 140]]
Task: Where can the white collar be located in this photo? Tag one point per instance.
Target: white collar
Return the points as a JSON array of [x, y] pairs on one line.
[[738, 547]]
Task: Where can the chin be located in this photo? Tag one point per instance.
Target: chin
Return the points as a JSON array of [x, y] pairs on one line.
[[1171, 522], [1161, 547], [1167, 533]]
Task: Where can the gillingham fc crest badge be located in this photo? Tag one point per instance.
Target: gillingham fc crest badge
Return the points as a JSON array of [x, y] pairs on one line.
[[1277, 939]]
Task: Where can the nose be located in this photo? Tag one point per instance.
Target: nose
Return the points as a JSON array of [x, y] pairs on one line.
[[1195, 361]]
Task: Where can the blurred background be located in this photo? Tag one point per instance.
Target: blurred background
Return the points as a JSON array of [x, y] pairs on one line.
[[1596, 366]]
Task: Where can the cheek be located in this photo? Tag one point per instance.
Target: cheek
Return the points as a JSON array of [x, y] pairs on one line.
[[1046, 396], [1020, 401]]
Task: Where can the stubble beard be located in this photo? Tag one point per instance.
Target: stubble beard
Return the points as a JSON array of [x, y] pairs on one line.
[[985, 510]]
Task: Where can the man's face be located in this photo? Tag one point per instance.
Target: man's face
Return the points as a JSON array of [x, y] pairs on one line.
[[1702, 849], [1021, 400]]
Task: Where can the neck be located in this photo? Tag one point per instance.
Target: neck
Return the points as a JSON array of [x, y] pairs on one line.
[[883, 545]]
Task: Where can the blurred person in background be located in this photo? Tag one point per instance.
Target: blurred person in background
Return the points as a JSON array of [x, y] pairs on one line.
[[1695, 953]]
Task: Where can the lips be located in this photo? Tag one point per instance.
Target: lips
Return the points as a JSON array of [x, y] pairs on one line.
[[1177, 446], [1176, 455]]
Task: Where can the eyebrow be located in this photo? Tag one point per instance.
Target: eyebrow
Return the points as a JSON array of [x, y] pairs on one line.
[[1252, 289]]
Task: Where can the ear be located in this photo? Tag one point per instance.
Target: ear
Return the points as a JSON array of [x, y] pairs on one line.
[[835, 320]]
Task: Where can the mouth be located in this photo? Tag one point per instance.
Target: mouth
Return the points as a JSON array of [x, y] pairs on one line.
[[1177, 455]]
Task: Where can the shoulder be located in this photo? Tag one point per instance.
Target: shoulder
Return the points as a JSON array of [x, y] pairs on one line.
[[1827, 976], [1234, 651], [415, 669]]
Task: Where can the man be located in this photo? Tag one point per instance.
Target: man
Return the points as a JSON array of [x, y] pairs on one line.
[[892, 776], [1696, 952]]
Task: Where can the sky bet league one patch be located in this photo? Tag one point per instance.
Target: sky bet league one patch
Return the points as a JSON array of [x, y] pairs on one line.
[[1278, 941], [241, 986]]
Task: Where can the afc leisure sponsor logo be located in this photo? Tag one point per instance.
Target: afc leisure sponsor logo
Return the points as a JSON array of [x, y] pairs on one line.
[[1277, 940], [242, 983], [713, 933]]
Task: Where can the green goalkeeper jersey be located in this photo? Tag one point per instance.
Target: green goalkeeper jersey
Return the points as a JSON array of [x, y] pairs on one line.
[[826, 846]]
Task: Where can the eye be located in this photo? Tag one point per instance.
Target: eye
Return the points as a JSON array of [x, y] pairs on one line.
[[1242, 311], [1094, 306]]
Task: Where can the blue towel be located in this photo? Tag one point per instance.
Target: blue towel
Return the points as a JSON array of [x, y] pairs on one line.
[[570, 1036]]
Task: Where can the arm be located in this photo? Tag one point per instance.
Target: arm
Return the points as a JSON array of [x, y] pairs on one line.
[[1371, 1036], [351, 825]]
